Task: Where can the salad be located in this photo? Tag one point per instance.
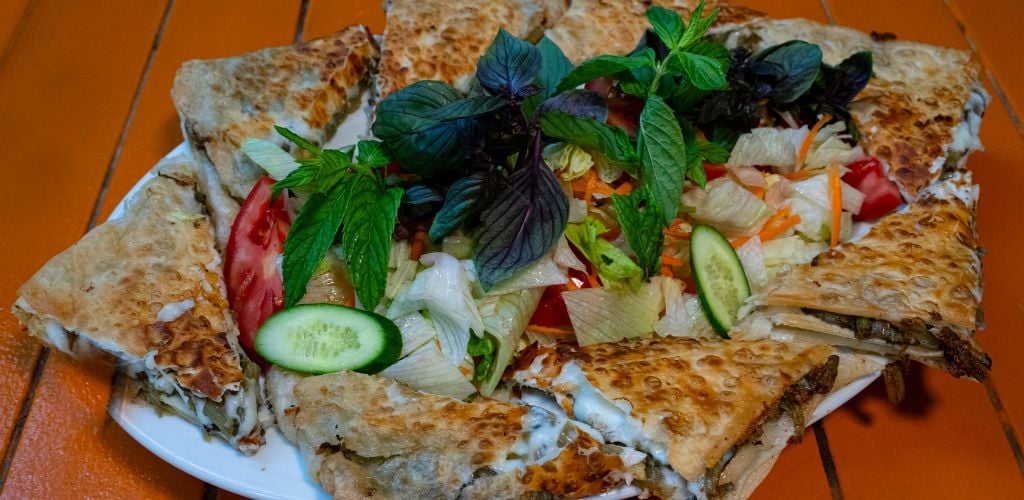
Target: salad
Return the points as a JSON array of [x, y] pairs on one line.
[[628, 196]]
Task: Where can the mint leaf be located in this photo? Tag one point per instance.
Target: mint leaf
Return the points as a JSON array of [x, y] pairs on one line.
[[411, 132], [713, 153], [370, 218], [310, 237], [485, 348], [372, 154], [522, 223], [704, 72], [609, 140], [460, 202], [581, 103], [641, 223], [667, 24], [712, 49], [662, 155], [698, 25], [303, 176], [614, 267], [553, 68], [509, 65], [603, 66], [469, 107], [297, 140]]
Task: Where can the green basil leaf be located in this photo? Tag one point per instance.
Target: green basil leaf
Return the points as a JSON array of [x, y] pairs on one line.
[[609, 140], [469, 107], [310, 237], [419, 194], [581, 103], [642, 224], [411, 132], [509, 64], [298, 140], [604, 65], [370, 219], [522, 223], [662, 155], [705, 73], [698, 25], [667, 24], [553, 68], [372, 154], [460, 202]]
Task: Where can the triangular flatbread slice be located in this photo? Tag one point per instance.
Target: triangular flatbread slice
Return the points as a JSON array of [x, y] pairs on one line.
[[146, 290], [308, 87], [920, 112], [443, 39], [692, 405], [366, 435], [594, 27], [912, 282]]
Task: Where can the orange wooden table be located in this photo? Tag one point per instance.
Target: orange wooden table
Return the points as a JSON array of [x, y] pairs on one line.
[[85, 110]]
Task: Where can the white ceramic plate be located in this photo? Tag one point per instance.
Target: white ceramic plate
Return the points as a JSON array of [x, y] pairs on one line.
[[277, 470]]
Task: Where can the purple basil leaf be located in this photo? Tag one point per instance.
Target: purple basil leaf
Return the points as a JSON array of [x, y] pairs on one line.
[[581, 103], [509, 66]]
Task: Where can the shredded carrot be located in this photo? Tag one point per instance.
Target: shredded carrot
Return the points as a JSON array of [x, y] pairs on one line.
[[666, 271], [781, 214], [806, 146], [571, 285], [803, 174], [588, 192], [624, 188], [677, 234], [416, 245], [671, 261], [835, 187], [758, 191], [550, 330], [594, 282], [771, 232], [579, 184]]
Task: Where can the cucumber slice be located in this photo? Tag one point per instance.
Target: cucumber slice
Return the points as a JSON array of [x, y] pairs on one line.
[[326, 338], [721, 283]]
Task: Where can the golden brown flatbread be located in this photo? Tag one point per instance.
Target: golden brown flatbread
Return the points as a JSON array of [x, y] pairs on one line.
[[308, 87], [443, 39], [919, 266], [686, 402], [594, 27], [921, 111], [146, 289], [367, 435]]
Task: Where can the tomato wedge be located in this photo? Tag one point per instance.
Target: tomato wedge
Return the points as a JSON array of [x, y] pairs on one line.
[[551, 311], [255, 287], [881, 195]]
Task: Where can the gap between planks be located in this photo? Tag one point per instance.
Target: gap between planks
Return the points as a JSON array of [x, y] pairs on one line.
[[37, 371], [9, 48]]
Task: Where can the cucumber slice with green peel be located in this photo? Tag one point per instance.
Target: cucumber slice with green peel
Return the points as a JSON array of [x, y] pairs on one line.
[[327, 338], [721, 282]]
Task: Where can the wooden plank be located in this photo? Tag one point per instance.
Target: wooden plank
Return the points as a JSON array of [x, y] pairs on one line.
[[13, 13], [958, 412], [63, 104], [228, 28], [194, 29], [993, 25], [324, 17]]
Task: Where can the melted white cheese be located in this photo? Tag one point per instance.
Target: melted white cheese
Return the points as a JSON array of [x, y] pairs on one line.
[[174, 310]]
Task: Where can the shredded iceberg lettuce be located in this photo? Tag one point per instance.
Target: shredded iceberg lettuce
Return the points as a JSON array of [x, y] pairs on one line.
[[728, 207], [616, 269], [792, 250], [568, 160], [505, 318], [767, 146], [427, 369], [541, 273], [751, 255], [270, 157], [602, 315], [444, 290]]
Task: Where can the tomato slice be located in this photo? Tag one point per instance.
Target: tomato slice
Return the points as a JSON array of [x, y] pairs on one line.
[[860, 169], [551, 311], [713, 171], [255, 288], [881, 196]]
